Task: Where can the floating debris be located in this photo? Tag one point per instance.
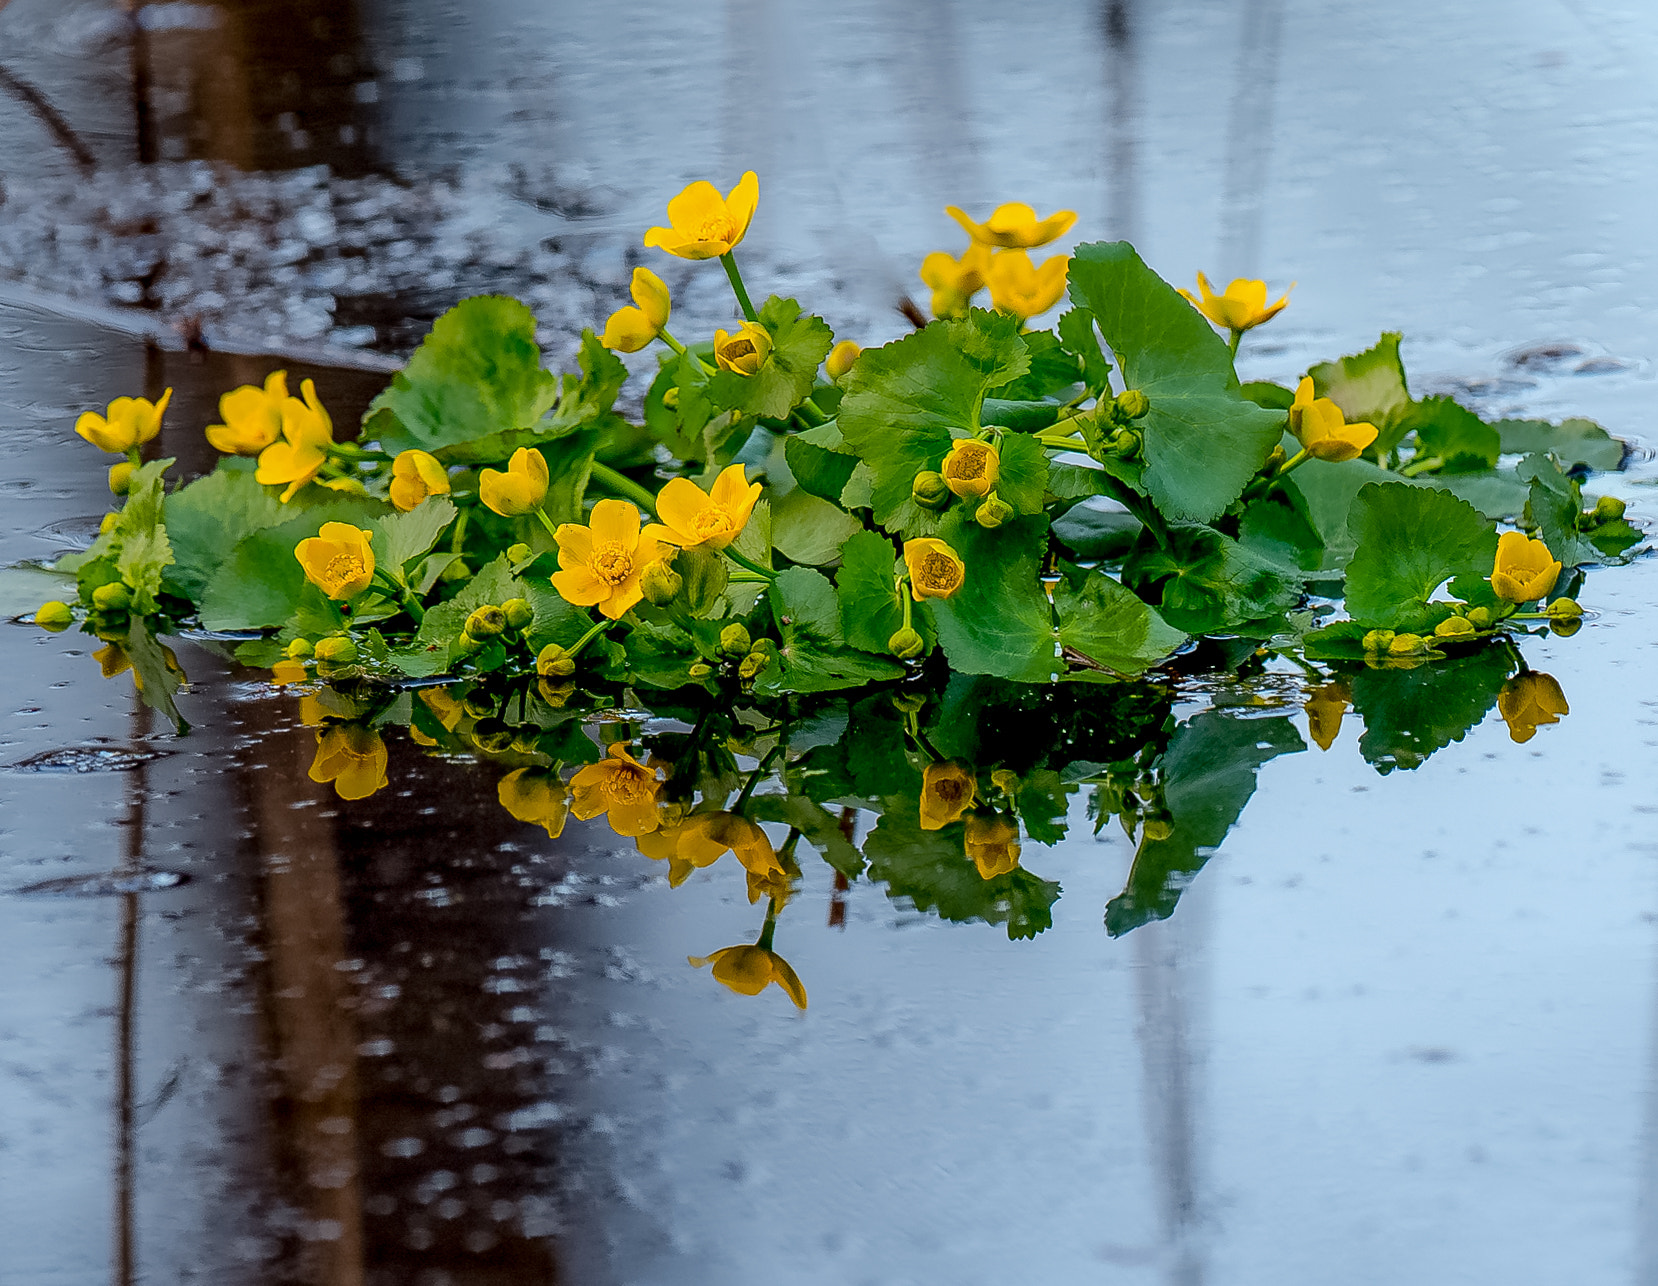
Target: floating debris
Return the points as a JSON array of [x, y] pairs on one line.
[[90, 758], [104, 884]]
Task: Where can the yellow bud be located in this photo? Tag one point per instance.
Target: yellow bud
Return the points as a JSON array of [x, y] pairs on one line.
[[660, 583], [700, 670], [1454, 627], [54, 615], [106, 524], [840, 358], [1479, 617], [930, 489], [519, 613], [1378, 640], [1607, 508], [734, 640], [485, 623], [993, 512], [909, 703], [457, 570], [1131, 404], [337, 649], [752, 664], [299, 649], [555, 694], [554, 662], [114, 597], [120, 475], [670, 398], [1564, 609], [527, 741], [1407, 645], [1565, 626], [906, 643]]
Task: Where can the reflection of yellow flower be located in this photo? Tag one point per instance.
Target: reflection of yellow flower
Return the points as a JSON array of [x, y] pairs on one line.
[[519, 489], [1528, 700], [112, 660], [692, 517], [748, 970], [630, 329], [955, 281], [744, 350], [307, 433], [537, 796], [971, 468], [599, 565], [1015, 226], [1323, 430], [288, 670], [441, 702], [663, 846], [252, 417], [338, 560], [705, 225], [706, 837], [416, 475], [1325, 708], [1243, 306], [127, 422], [947, 791], [936, 570], [1525, 569], [1021, 289], [993, 844], [620, 786], [353, 758], [775, 885]]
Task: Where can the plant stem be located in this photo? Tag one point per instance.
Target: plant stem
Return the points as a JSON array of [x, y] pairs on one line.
[[729, 261], [599, 627], [810, 414], [744, 561], [546, 522], [623, 485], [760, 770], [1294, 462], [1420, 465], [1232, 344], [770, 928]]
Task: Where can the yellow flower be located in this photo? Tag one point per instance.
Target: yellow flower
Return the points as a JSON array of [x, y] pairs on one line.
[[663, 846], [1528, 700], [600, 565], [693, 518], [252, 417], [1323, 430], [287, 671], [630, 329], [993, 844], [1243, 307], [748, 970], [415, 475], [955, 281], [705, 225], [971, 468], [936, 570], [537, 796], [128, 422], [307, 433], [706, 837], [1019, 288], [1525, 569], [947, 791], [743, 351], [353, 758], [840, 358], [1015, 226], [338, 560], [520, 489], [1325, 707], [112, 660], [621, 787]]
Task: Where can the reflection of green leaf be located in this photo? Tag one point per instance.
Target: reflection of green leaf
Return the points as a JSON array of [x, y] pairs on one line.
[[1411, 540], [156, 681], [1203, 439], [903, 399], [1208, 776], [815, 657], [1370, 388], [871, 608], [1044, 802], [1572, 442], [1410, 713], [820, 827], [800, 342], [999, 622], [806, 529], [867, 764], [1208, 581], [1108, 624]]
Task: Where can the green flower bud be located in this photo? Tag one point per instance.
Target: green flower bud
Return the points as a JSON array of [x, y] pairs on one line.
[[670, 398], [1608, 509], [487, 622], [1564, 609], [906, 643], [1125, 443], [478, 704], [1407, 645], [553, 662], [113, 597], [1131, 404], [734, 641], [660, 583], [1454, 627], [53, 615], [700, 670], [120, 477], [492, 736], [519, 552], [909, 703], [467, 645], [752, 664], [1378, 640], [993, 511], [1275, 460], [337, 649], [457, 570], [1479, 617], [299, 649], [519, 613], [930, 490], [764, 646]]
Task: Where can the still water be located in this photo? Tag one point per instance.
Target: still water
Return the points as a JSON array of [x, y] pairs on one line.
[[1402, 1026]]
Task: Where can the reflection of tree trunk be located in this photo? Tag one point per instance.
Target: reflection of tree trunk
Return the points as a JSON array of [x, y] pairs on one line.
[[1122, 74], [309, 1005], [1646, 1221], [126, 1019], [1249, 139]]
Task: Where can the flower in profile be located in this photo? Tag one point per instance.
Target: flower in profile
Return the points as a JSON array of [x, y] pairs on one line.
[[947, 791], [518, 489], [955, 281], [629, 329], [600, 565], [442, 703], [127, 422], [415, 476], [1321, 428], [307, 434], [1015, 226], [252, 417], [705, 225], [663, 846], [1525, 570], [750, 969], [1242, 307], [1325, 707], [693, 518], [338, 560], [1529, 700], [351, 756], [840, 358], [537, 796], [1022, 290], [620, 787], [112, 660], [936, 570], [706, 837], [971, 468], [743, 351], [992, 841]]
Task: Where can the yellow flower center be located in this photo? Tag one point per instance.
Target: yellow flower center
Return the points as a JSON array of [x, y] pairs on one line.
[[717, 227], [712, 522], [939, 573], [967, 464], [949, 790], [739, 348], [612, 563], [627, 785], [343, 567]]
